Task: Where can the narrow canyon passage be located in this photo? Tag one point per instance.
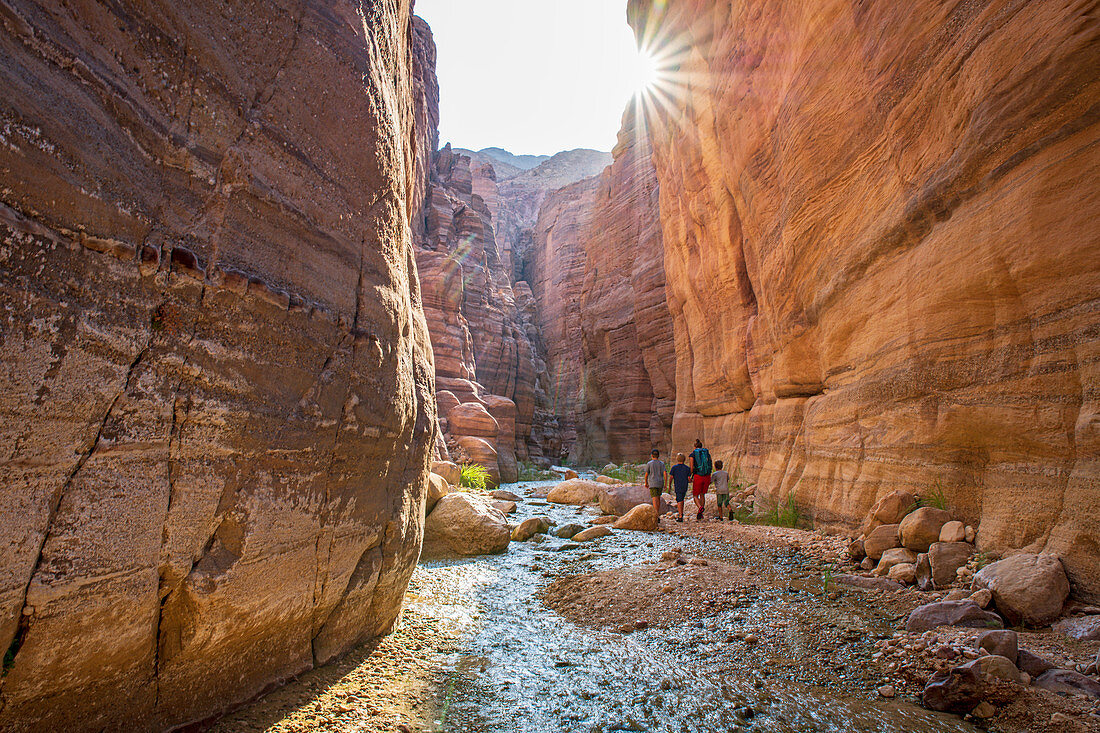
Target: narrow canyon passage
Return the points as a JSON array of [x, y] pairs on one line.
[[484, 652], [287, 290]]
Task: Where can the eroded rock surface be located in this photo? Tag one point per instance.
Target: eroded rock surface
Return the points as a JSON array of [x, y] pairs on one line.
[[881, 258], [217, 403]]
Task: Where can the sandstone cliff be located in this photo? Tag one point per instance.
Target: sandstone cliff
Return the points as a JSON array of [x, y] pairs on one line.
[[627, 346], [882, 263], [474, 255], [217, 404]]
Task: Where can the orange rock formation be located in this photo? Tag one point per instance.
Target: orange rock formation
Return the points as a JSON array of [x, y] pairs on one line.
[[882, 263], [217, 404]]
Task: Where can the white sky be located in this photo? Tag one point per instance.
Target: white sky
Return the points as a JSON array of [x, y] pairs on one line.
[[533, 76]]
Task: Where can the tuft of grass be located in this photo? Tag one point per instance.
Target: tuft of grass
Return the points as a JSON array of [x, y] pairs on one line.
[[785, 514], [826, 578], [935, 498], [982, 559], [530, 472], [474, 476]]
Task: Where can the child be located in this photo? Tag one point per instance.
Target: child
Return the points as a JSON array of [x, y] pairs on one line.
[[680, 475], [721, 481], [655, 478]]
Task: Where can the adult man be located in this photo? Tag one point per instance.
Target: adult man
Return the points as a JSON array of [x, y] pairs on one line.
[[700, 471], [655, 478]]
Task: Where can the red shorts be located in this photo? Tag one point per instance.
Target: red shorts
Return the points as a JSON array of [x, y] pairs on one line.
[[699, 485]]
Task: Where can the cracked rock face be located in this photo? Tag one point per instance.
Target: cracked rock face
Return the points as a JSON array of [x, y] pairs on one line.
[[217, 398], [882, 258]]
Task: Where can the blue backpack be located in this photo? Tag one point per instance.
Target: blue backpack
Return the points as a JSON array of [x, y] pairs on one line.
[[702, 461]]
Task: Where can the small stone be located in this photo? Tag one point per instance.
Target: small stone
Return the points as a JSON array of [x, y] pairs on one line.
[[953, 531], [1003, 642], [904, 573], [640, 623], [751, 639], [867, 564], [887, 691], [971, 534], [1057, 718], [983, 710], [698, 561], [982, 597]]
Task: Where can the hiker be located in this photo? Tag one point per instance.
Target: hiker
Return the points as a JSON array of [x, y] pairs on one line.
[[679, 475], [655, 478], [721, 481], [700, 472]]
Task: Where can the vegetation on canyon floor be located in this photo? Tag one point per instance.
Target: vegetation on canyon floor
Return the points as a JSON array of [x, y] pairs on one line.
[[474, 476]]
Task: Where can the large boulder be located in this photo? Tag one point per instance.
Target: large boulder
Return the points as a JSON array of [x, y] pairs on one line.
[[1027, 588], [1082, 628], [1069, 682], [945, 558], [505, 495], [889, 509], [921, 528], [964, 613], [482, 453], [471, 418], [566, 531], [880, 540], [642, 517], [528, 528], [619, 500], [465, 524], [437, 489], [505, 507], [575, 491], [449, 470]]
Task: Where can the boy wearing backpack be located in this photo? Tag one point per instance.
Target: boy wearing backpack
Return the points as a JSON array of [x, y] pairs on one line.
[[700, 471]]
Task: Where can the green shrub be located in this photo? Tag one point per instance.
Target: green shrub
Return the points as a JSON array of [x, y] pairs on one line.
[[474, 476]]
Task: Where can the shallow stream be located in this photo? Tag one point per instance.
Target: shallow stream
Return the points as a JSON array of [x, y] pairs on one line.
[[522, 667]]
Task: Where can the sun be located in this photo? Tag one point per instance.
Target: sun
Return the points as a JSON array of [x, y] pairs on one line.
[[643, 71]]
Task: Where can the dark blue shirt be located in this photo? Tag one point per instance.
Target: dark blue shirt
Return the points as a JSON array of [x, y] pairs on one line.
[[680, 474]]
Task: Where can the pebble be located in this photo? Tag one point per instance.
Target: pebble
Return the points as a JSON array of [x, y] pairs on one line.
[[983, 710], [751, 639], [887, 691]]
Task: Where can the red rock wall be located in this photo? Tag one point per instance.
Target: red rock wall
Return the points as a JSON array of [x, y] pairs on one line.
[[557, 278], [882, 258], [217, 405], [627, 349]]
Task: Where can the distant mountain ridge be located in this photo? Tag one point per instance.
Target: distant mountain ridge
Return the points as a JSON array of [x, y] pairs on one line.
[[523, 162]]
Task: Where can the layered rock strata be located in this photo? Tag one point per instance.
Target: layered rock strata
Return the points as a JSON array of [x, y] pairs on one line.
[[627, 345], [882, 266], [217, 405]]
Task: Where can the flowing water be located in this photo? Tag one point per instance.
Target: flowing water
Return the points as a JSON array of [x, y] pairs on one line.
[[525, 668]]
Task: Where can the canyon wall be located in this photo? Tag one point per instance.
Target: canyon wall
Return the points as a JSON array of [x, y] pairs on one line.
[[217, 403], [496, 395], [881, 254], [627, 347]]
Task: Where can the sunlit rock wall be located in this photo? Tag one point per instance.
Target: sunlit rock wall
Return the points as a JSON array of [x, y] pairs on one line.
[[882, 256], [627, 345], [217, 403]]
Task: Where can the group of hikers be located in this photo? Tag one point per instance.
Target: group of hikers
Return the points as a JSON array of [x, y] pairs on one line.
[[696, 469]]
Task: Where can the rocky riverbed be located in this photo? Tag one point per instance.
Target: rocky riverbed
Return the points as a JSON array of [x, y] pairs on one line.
[[698, 626]]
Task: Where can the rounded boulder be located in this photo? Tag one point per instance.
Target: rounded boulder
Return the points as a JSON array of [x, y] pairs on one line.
[[465, 524]]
